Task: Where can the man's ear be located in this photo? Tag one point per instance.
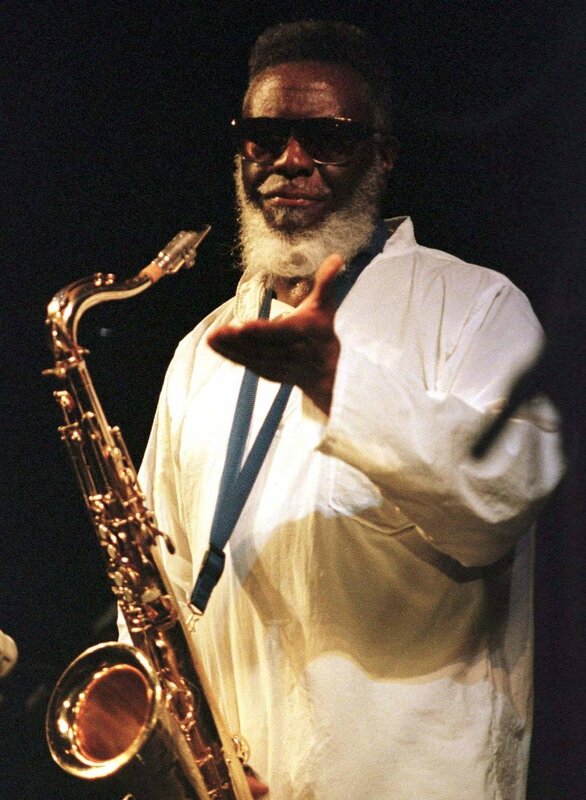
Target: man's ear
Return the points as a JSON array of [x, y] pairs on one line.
[[389, 148]]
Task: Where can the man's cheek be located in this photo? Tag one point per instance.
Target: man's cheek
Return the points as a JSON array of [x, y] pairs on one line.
[[252, 180]]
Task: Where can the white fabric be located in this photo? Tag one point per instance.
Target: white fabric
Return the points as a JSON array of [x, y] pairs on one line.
[[361, 637]]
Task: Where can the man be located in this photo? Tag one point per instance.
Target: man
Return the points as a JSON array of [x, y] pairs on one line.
[[371, 632]]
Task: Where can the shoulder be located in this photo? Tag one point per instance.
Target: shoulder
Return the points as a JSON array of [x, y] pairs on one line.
[[404, 256], [415, 299], [219, 316], [192, 348], [408, 272]]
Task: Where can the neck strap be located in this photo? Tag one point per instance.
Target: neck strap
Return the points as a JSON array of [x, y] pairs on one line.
[[238, 479]]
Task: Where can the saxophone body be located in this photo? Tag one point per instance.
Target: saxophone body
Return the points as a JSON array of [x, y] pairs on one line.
[[143, 714]]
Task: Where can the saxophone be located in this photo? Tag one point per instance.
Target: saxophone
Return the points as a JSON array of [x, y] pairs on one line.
[[143, 714]]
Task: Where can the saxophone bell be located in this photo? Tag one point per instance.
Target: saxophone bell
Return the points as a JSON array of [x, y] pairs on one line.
[[108, 708]]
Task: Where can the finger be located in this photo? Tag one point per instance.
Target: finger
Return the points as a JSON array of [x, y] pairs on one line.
[[247, 352], [267, 363], [258, 788], [323, 292], [257, 333], [262, 353]]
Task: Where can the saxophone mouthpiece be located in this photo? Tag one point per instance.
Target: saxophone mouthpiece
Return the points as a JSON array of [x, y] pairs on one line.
[[178, 254]]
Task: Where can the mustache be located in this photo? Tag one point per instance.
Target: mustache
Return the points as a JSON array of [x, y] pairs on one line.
[[274, 184]]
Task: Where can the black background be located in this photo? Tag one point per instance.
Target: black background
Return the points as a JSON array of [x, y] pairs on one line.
[[116, 136]]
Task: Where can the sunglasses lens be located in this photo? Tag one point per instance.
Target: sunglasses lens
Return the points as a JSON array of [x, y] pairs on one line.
[[325, 139], [261, 140], [331, 141]]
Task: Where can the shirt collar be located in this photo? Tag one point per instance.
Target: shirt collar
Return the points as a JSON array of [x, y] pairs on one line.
[[250, 290]]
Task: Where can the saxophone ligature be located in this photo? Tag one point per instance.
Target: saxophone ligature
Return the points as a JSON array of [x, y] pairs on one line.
[[143, 714]]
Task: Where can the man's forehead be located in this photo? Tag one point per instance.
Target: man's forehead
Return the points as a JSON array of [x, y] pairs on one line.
[[308, 89]]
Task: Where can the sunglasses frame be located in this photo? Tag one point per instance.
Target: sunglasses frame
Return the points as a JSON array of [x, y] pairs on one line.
[[362, 132]]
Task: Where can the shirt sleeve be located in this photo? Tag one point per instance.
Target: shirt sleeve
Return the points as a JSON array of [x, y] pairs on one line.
[[413, 437]]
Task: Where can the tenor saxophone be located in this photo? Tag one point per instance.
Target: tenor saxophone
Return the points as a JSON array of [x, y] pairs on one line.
[[143, 715]]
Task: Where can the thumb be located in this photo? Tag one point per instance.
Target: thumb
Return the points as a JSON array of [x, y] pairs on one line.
[[323, 293]]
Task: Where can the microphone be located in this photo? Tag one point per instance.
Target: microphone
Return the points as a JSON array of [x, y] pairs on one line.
[[559, 371], [530, 383], [8, 654]]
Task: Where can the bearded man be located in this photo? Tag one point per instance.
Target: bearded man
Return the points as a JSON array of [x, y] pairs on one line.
[[370, 634]]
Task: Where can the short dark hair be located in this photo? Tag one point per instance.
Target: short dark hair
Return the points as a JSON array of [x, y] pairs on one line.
[[331, 42]]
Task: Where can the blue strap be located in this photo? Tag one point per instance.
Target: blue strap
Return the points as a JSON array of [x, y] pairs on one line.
[[237, 479]]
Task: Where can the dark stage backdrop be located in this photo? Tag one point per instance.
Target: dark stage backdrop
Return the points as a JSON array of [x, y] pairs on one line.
[[116, 136]]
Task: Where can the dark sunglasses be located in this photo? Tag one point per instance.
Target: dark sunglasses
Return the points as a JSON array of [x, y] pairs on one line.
[[327, 140]]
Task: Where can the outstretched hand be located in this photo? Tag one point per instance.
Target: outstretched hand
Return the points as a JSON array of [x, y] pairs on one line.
[[300, 348]]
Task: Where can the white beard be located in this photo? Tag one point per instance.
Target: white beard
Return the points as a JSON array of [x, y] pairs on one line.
[[268, 252]]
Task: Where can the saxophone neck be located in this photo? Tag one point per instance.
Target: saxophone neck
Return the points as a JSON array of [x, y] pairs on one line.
[[69, 304]]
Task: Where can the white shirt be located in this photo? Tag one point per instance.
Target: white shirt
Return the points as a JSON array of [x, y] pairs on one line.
[[361, 636]]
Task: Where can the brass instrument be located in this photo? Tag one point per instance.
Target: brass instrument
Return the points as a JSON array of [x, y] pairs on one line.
[[143, 713]]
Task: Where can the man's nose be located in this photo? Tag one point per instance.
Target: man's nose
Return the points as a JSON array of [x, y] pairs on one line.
[[294, 160]]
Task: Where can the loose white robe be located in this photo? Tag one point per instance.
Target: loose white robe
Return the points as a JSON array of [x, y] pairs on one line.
[[362, 637]]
